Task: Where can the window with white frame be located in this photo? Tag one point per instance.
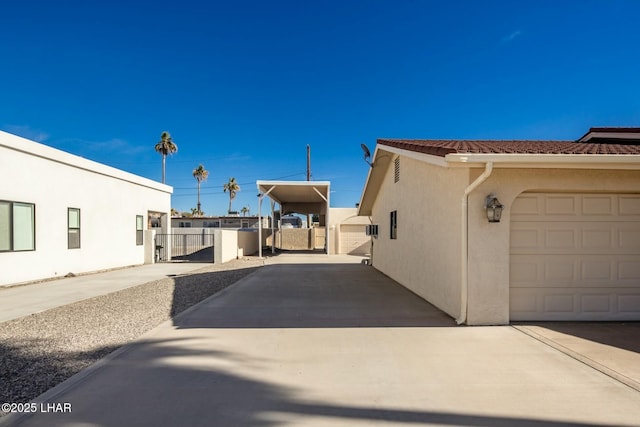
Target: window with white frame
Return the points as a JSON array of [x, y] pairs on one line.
[[17, 226], [139, 230], [73, 228]]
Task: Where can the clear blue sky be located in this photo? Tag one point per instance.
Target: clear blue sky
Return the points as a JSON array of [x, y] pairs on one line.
[[243, 86]]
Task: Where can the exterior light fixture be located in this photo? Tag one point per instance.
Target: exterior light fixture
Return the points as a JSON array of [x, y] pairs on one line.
[[493, 208]]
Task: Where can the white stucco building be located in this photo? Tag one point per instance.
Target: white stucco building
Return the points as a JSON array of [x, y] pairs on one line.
[[566, 248], [62, 214]]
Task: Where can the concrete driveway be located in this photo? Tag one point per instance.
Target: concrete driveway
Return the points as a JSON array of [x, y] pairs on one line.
[[326, 341]]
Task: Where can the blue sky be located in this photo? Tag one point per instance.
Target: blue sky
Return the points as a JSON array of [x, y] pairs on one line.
[[244, 86]]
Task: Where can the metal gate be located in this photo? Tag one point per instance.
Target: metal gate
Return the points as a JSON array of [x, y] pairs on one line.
[[184, 247]]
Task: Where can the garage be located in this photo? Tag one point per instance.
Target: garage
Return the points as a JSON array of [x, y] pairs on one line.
[[575, 256], [353, 239]]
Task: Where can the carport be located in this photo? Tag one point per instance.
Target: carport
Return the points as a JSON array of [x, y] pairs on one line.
[[303, 197]]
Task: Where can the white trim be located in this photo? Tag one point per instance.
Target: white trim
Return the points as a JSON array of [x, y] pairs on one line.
[[423, 157], [17, 143], [609, 135], [565, 161]]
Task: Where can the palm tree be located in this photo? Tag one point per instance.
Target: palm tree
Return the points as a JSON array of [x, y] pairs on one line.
[[165, 146], [232, 187], [244, 210], [200, 174]]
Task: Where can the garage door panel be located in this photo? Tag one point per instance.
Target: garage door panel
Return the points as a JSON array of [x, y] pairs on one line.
[[629, 303], [579, 238], [560, 205], [629, 205], [629, 270], [576, 271], [525, 238], [598, 205], [567, 304], [629, 238], [575, 257]]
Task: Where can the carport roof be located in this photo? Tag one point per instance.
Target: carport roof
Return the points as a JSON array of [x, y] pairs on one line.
[[295, 191]]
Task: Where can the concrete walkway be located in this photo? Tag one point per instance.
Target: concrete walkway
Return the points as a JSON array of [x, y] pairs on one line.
[[19, 301], [326, 341]]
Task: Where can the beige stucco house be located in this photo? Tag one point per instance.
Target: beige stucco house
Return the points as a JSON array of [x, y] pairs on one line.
[[567, 246]]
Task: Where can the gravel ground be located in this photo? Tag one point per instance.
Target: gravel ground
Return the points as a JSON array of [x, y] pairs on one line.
[[40, 351]]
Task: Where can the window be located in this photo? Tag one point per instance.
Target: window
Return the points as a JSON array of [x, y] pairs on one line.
[[185, 224], [394, 224], [17, 226], [139, 230], [73, 228], [396, 169]]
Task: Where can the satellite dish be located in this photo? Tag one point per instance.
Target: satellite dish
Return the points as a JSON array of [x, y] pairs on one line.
[[367, 154]]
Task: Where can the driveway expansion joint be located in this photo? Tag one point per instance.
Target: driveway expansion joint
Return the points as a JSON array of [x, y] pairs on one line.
[[580, 357]]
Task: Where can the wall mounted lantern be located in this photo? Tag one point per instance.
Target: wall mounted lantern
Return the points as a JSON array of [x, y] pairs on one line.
[[493, 208]]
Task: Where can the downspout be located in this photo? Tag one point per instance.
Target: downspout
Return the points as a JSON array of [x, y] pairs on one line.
[[464, 288]]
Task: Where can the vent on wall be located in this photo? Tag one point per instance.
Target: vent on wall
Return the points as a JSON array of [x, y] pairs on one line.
[[396, 176]]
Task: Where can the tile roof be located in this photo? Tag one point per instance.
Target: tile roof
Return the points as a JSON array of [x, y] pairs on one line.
[[443, 147]]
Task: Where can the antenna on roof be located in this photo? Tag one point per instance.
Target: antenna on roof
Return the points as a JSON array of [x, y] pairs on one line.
[[367, 154]]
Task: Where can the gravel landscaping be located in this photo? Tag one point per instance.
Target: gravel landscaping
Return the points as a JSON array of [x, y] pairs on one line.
[[40, 351]]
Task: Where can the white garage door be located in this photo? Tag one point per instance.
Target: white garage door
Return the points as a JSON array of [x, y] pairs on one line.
[[575, 257], [353, 240]]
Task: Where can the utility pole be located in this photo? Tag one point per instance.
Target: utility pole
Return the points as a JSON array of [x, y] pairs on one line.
[[308, 163], [308, 179]]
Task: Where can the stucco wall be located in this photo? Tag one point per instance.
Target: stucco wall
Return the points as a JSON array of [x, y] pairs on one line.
[[108, 199], [426, 255], [247, 243], [489, 243], [343, 216], [232, 244]]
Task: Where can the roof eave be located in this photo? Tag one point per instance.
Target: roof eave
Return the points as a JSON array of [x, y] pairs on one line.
[[549, 161], [381, 160]]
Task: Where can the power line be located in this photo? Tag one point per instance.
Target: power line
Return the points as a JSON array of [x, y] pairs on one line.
[[242, 183]]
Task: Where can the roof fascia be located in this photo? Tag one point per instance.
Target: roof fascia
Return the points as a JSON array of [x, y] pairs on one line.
[[547, 161], [376, 173], [609, 135], [298, 183], [36, 149], [423, 157]]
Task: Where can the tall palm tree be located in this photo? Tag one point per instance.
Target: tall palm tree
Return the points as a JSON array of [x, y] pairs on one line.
[[232, 187], [244, 210], [200, 174], [165, 146]]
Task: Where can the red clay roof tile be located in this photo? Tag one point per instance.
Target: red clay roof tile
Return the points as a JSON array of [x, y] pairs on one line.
[[443, 147]]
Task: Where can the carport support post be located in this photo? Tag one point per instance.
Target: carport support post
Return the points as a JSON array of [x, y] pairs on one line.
[[273, 233], [327, 231], [260, 197]]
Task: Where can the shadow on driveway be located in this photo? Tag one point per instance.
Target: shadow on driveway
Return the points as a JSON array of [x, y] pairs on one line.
[[148, 385], [316, 296]]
